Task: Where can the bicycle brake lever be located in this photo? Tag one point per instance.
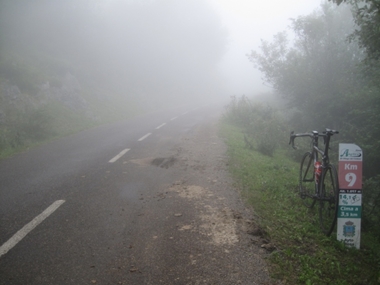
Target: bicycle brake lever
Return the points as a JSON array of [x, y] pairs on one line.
[[291, 136]]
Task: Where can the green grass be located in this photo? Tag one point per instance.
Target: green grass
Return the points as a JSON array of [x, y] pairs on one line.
[[304, 255]]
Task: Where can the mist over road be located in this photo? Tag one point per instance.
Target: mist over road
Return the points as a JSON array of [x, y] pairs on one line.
[[109, 193]]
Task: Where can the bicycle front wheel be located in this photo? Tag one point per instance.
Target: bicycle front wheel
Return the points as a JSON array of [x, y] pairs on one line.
[[329, 193], [306, 180]]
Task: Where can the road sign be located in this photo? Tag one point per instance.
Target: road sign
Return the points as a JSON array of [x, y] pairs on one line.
[[350, 194]]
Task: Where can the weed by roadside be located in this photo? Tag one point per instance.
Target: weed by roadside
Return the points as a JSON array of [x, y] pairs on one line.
[[32, 126], [262, 126]]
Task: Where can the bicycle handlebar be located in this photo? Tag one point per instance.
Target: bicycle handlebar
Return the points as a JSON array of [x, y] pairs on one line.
[[313, 135], [292, 137]]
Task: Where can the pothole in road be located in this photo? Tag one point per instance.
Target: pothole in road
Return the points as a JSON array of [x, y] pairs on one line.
[[164, 162]]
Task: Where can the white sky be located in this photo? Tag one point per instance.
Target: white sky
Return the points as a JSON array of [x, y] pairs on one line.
[[248, 21]]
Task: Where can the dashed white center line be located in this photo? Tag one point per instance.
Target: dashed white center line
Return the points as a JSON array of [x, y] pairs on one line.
[[119, 155], [173, 118], [144, 137], [185, 113], [160, 126], [17, 237]]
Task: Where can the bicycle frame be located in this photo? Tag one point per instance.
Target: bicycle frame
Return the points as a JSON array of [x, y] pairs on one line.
[[315, 151], [322, 175]]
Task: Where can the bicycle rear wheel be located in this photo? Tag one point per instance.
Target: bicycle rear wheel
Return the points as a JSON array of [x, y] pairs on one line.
[[329, 192], [306, 180]]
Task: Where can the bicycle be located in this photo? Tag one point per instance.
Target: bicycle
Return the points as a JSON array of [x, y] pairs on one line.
[[318, 180]]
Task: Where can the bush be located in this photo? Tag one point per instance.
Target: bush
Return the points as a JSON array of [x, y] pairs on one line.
[[25, 127], [263, 128], [371, 205], [239, 111], [37, 124]]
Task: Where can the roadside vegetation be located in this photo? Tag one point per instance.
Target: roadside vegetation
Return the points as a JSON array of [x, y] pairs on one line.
[[269, 182], [326, 77], [41, 100]]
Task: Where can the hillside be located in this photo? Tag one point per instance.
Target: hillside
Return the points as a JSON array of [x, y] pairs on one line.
[[44, 97]]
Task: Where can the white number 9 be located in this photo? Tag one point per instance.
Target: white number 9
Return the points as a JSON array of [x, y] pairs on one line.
[[350, 178]]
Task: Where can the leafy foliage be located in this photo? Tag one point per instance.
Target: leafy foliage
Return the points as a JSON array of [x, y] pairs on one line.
[[25, 127], [263, 128], [371, 205], [367, 19], [316, 69]]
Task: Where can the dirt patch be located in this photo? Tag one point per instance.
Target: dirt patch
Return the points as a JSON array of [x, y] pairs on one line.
[[141, 162], [190, 191], [219, 224]]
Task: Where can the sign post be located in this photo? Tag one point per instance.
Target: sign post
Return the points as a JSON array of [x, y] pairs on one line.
[[350, 194]]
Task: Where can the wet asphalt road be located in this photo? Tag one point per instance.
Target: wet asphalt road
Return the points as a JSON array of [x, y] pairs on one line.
[[102, 213]]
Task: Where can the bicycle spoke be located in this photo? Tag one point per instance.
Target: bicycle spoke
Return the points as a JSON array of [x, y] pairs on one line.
[[328, 205], [306, 181]]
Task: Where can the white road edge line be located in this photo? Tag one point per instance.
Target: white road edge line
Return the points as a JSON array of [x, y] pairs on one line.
[[160, 126], [185, 113], [119, 155], [144, 137], [173, 118], [17, 237]]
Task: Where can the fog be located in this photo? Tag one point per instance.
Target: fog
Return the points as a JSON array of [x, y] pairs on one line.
[[247, 22], [156, 50]]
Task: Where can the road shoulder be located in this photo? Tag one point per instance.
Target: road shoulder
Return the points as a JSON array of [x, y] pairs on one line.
[[205, 233]]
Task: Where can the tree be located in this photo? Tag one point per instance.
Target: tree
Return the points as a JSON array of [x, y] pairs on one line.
[[318, 71], [367, 19], [326, 80]]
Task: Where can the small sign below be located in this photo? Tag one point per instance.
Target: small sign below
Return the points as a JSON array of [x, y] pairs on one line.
[[350, 194]]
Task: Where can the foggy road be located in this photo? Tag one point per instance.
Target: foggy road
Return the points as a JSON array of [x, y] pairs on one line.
[[83, 170], [168, 193], [84, 209]]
